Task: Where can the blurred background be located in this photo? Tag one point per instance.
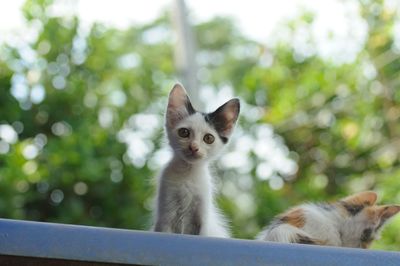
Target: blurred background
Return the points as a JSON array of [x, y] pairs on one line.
[[83, 87]]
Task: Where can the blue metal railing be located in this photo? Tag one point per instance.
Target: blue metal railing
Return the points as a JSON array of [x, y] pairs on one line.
[[95, 244]]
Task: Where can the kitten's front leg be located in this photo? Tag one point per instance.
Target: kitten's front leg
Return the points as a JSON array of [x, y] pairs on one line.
[[193, 227], [163, 222], [195, 219], [161, 226], [171, 213]]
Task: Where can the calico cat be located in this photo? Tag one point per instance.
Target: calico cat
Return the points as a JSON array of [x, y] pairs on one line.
[[354, 221], [185, 198]]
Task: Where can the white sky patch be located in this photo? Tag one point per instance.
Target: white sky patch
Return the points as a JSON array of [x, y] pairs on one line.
[[160, 158], [276, 183], [256, 19], [8, 134], [124, 12], [138, 145], [105, 117], [37, 94], [10, 16], [30, 151]]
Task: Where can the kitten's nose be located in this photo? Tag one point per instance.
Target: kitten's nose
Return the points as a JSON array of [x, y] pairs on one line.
[[193, 148]]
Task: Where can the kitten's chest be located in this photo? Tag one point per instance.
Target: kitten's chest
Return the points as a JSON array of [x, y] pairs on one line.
[[196, 181], [187, 189], [190, 189], [191, 193]]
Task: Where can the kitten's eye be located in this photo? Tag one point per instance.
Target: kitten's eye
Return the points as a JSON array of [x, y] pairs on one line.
[[208, 138], [183, 132]]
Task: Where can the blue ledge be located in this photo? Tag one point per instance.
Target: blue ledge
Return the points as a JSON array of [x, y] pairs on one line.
[[95, 244]]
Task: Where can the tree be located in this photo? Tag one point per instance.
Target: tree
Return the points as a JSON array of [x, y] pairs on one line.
[[82, 116]]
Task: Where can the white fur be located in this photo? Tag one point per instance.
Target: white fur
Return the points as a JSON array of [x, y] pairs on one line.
[[199, 127], [331, 227], [190, 178], [284, 233]]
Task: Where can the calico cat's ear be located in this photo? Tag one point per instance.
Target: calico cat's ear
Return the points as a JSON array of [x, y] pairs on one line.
[[224, 118], [386, 212], [365, 198], [179, 105]]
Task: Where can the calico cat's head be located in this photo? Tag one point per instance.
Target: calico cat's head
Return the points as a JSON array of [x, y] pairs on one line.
[[363, 219], [196, 136]]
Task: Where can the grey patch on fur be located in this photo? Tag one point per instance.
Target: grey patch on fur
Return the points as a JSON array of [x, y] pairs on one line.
[[301, 239], [277, 221], [367, 235], [215, 124], [218, 121], [325, 206], [194, 224], [186, 218], [352, 209], [177, 221], [284, 219]]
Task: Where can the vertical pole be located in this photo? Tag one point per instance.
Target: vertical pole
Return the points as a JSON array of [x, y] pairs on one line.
[[185, 52]]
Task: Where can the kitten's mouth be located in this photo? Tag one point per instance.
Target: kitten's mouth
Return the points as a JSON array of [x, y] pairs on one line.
[[192, 156]]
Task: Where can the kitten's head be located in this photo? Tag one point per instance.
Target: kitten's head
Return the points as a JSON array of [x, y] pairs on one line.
[[196, 136], [363, 219]]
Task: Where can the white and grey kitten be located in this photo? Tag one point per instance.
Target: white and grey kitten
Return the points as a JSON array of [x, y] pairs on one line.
[[354, 221], [185, 199]]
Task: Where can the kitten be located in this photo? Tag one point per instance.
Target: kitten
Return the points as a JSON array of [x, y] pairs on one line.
[[354, 221], [185, 199]]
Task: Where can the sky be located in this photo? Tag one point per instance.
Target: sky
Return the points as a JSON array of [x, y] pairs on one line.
[[256, 18]]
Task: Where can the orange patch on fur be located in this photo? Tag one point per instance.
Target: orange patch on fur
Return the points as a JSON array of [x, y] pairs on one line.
[[366, 244], [383, 211], [386, 211], [371, 212], [365, 198], [294, 217]]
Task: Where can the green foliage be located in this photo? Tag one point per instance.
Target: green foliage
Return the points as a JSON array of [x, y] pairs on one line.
[[336, 124]]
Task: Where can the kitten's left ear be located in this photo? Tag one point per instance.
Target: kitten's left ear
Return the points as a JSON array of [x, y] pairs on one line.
[[225, 117], [179, 105], [366, 198]]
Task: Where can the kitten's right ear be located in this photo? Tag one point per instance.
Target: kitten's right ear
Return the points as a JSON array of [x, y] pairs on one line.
[[179, 105], [366, 198], [225, 117], [386, 212]]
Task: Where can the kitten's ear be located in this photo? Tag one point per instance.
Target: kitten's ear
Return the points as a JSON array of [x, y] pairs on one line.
[[386, 212], [225, 117], [179, 105], [365, 198]]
